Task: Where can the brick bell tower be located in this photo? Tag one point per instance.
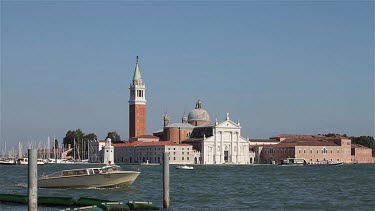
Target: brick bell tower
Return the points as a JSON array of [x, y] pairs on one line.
[[137, 105]]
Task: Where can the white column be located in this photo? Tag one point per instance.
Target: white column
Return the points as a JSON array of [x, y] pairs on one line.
[[221, 148], [231, 147], [215, 147], [238, 146]]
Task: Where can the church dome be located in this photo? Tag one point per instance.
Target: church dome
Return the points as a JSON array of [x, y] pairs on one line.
[[198, 114]]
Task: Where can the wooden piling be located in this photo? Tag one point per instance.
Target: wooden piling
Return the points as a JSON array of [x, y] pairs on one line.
[[166, 180], [32, 184]]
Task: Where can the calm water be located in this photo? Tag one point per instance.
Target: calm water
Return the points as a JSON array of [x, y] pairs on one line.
[[347, 187]]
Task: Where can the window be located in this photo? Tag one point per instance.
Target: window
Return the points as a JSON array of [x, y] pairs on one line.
[[182, 158], [188, 153], [324, 151], [310, 151], [174, 158], [182, 152], [317, 151], [304, 151], [174, 153]]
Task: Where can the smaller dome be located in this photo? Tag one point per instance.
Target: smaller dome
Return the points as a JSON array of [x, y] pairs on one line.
[[184, 118]]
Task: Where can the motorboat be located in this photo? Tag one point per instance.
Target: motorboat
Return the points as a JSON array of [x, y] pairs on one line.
[[293, 162], [25, 161], [326, 163], [105, 177], [338, 163], [8, 161], [185, 167]]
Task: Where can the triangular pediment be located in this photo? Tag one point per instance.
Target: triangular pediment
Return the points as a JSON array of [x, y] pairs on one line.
[[228, 124]]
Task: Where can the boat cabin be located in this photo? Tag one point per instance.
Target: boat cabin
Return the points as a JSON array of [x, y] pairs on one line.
[[75, 172]]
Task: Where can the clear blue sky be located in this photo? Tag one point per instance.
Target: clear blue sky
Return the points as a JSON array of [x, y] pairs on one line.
[[277, 66]]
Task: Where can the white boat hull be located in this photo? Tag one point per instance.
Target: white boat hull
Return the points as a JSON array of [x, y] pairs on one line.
[[102, 180], [185, 167]]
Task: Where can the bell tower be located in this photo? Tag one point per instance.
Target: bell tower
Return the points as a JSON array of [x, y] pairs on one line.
[[137, 105]]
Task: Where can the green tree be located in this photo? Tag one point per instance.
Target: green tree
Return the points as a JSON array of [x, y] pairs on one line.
[[73, 136], [78, 141], [90, 137], [113, 136]]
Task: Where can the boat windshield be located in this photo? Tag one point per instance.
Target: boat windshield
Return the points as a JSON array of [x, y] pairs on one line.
[[111, 168], [74, 172]]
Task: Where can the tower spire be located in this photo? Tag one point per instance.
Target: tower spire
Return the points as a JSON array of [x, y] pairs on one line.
[[137, 72]]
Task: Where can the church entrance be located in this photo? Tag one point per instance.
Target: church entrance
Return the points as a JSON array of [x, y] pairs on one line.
[[226, 156]]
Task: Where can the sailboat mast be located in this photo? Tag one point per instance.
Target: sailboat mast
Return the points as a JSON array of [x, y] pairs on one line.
[[49, 147]]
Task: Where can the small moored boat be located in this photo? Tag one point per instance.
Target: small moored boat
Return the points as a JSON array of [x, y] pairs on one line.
[[107, 176], [185, 167], [8, 161], [25, 161]]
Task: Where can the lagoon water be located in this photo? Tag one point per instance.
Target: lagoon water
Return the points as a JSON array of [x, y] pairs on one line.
[[259, 187]]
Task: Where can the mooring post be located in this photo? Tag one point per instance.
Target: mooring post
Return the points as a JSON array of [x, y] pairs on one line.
[[166, 181], [33, 173]]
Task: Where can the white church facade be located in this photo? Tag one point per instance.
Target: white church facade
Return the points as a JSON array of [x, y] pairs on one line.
[[221, 143]]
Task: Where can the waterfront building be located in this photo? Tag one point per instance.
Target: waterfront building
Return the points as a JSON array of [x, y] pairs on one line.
[[311, 149], [361, 154], [137, 105], [221, 143], [139, 152]]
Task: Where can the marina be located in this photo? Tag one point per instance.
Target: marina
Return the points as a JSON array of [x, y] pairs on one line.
[[228, 187]]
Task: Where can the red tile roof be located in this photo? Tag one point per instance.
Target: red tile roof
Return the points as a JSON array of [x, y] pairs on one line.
[[292, 142], [298, 136], [359, 146], [146, 136], [263, 140]]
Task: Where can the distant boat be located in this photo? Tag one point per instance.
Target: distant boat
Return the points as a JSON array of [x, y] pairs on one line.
[[8, 161], [326, 163], [185, 167], [107, 176], [293, 162], [25, 161], [149, 164]]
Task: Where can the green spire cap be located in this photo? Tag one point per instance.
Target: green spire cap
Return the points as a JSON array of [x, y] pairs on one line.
[[137, 72]]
